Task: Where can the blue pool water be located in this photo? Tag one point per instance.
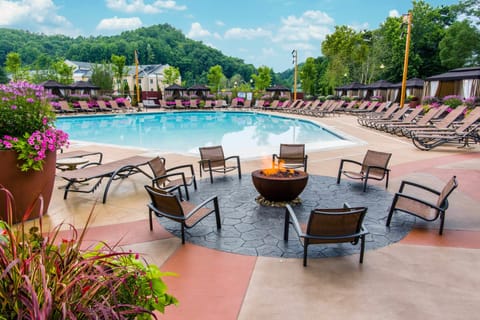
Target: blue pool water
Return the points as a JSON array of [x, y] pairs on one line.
[[246, 134]]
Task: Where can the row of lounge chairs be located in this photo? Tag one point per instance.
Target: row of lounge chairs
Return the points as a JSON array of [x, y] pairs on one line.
[[429, 129], [98, 106]]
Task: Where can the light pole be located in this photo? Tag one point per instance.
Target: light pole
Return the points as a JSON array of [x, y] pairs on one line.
[[294, 56], [408, 20]]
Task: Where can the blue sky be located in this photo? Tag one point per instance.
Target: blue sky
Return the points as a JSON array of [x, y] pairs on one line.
[[261, 32]]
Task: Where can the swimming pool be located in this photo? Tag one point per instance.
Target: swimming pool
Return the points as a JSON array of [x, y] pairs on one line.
[[247, 134]]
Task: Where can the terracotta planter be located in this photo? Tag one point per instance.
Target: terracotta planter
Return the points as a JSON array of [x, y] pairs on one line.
[[26, 186]]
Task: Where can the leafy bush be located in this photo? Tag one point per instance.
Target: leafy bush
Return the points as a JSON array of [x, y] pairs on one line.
[[452, 101], [44, 277]]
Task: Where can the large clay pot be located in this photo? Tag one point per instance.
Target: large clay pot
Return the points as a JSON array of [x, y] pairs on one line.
[[26, 186]]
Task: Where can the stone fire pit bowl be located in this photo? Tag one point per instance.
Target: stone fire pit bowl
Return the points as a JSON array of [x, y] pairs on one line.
[[279, 188]]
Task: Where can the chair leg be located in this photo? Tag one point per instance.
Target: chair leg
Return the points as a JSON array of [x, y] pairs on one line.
[[362, 247], [194, 183], [365, 184], [211, 176], [217, 213], [186, 192], [183, 233], [339, 175], [305, 250], [442, 221], [150, 219], [388, 176], [286, 226], [390, 213]]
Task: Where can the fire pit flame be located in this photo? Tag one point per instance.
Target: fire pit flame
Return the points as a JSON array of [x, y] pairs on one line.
[[279, 171]]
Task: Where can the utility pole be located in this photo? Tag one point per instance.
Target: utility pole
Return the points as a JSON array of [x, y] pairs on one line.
[[136, 79], [406, 19], [294, 56]]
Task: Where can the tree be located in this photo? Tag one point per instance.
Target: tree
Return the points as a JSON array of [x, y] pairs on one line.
[[263, 78], [3, 76], [13, 65], [171, 75], [118, 68], [102, 76], [308, 76], [214, 76], [64, 71], [460, 47]]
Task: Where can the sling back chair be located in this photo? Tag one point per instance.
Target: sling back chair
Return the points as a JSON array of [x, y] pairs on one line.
[[213, 160]]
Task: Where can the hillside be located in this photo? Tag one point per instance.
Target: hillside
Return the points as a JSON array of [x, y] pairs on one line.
[[159, 44]]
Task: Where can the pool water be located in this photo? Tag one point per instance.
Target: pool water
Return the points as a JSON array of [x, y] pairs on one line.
[[246, 134]]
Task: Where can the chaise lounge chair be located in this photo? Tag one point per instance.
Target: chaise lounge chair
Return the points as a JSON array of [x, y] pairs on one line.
[[463, 135], [115, 170]]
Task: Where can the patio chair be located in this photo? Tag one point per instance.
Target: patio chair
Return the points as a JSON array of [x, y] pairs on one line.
[[326, 226], [408, 119], [422, 207], [179, 104], [373, 166], [79, 154], [291, 156], [168, 205], [213, 160], [172, 178]]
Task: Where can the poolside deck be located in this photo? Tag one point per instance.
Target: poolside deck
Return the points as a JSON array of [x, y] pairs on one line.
[[422, 276]]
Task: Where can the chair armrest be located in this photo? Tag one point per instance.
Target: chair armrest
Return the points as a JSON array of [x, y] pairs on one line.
[[413, 184], [294, 221], [431, 205], [154, 180], [377, 167], [202, 204], [349, 161], [233, 157], [275, 156], [184, 166]]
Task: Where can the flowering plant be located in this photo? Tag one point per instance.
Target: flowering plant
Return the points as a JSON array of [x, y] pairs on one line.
[[53, 275], [452, 101], [27, 124]]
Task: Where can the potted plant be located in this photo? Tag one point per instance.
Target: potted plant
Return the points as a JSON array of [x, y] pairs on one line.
[[28, 144], [45, 276]]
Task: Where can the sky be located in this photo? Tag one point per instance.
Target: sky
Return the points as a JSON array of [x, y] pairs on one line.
[[261, 32]]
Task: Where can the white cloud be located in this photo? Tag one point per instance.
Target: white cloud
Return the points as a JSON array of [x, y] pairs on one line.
[[118, 24], [197, 31], [131, 6], [219, 23], [312, 25], [393, 13], [240, 33], [359, 27], [38, 15]]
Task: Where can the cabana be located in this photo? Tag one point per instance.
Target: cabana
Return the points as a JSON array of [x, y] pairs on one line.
[[377, 89], [464, 82], [279, 91], [414, 87], [199, 90], [351, 90], [55, 87], [83, 87], [175, 90]]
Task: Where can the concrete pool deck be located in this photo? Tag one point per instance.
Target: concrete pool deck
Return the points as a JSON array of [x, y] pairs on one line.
[[423, 275]]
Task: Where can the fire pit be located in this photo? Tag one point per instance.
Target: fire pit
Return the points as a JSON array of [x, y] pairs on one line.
[[279, 185]]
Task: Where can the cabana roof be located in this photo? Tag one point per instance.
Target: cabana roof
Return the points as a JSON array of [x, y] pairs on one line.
[[278, 88], [457, 74], [380, 84], [411, 83]]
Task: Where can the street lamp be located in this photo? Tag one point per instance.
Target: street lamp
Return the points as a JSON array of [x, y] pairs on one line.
[[407, 18], [294, 56]]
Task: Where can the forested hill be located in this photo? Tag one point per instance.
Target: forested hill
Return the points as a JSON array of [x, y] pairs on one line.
[[159, 44]]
